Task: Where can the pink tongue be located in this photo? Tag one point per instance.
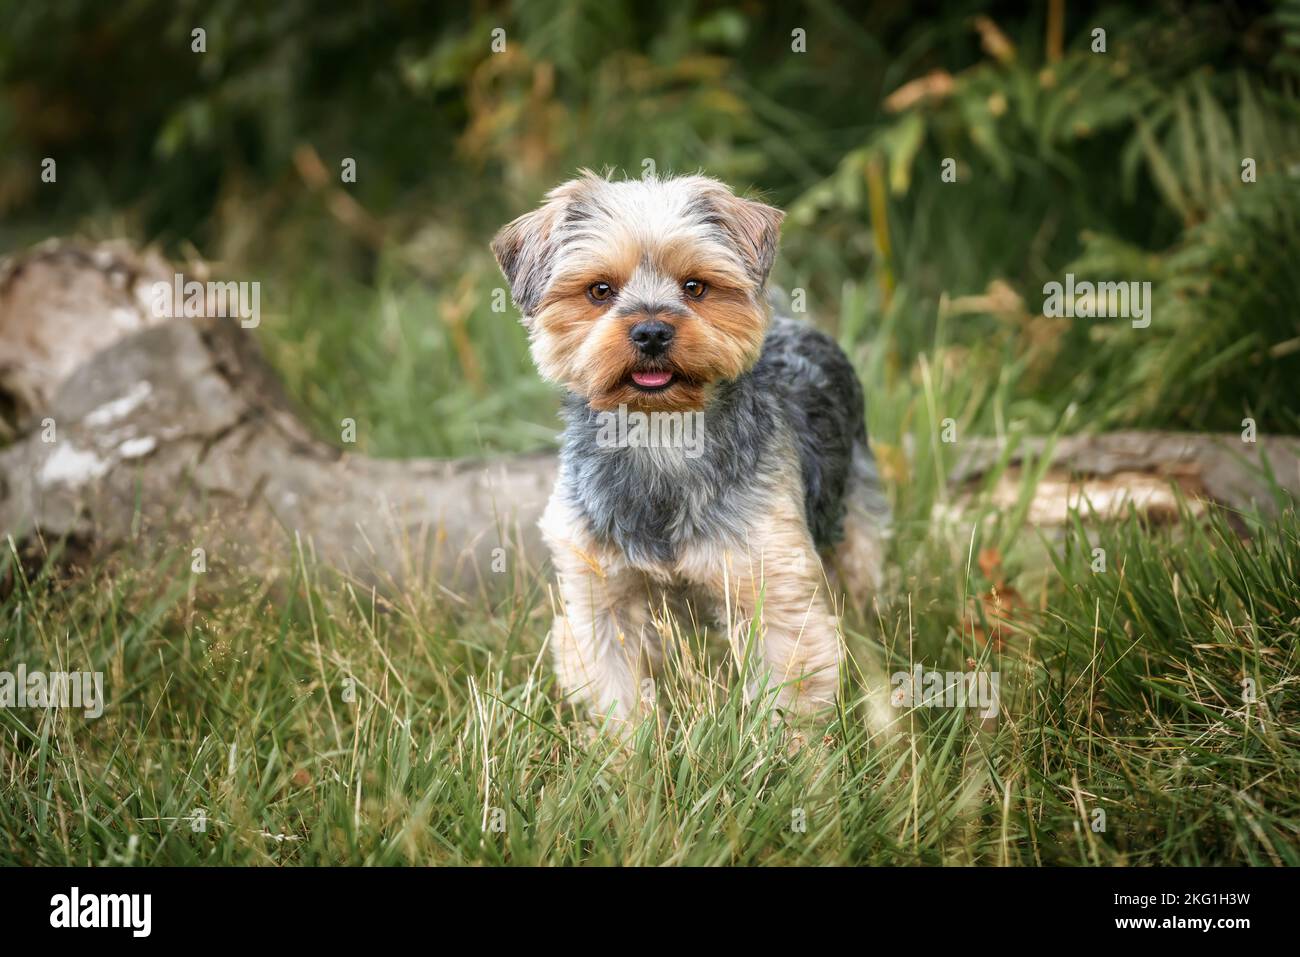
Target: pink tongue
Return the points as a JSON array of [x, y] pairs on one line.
[[651, 380]]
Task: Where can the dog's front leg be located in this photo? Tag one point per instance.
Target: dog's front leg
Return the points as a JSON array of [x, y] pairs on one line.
[[603, 642], [801, 645], [776, 586]]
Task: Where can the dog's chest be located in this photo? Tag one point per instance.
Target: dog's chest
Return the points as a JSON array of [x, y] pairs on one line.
[[652, 506], [657, 502]]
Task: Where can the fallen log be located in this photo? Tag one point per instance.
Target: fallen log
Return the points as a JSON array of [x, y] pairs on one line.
[[1104, 474], [128, 428]]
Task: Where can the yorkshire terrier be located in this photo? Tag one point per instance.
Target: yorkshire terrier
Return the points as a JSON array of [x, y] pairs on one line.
[[649, 297]]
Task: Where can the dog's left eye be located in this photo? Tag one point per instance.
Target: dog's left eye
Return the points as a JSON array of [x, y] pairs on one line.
[[694, 288]]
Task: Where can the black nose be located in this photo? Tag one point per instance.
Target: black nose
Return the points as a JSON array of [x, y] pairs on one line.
[[651, 336]]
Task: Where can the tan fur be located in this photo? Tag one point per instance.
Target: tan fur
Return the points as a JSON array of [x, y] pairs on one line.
[[774, 579], [856, 565], [602, 640]]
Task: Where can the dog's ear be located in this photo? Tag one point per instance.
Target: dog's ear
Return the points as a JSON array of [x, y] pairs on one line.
[[525, 246], [522, 249], [754, 228]]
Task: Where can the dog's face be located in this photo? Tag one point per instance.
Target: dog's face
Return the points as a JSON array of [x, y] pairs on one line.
[[642, 292]]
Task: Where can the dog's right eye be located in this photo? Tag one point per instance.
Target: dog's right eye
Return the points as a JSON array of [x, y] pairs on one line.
[[600, 291]]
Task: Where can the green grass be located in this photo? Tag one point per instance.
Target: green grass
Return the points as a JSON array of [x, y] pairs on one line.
[[312, 721]]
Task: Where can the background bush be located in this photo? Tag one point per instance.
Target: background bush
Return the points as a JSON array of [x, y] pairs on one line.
[[1122, 165]]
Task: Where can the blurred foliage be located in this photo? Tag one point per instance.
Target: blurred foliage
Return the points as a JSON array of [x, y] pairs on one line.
[[1123, 164]]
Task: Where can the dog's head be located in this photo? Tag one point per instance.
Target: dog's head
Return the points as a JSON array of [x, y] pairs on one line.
[[642, 292]]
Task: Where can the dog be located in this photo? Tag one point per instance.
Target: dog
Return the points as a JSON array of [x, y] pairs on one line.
[[647, 299]]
